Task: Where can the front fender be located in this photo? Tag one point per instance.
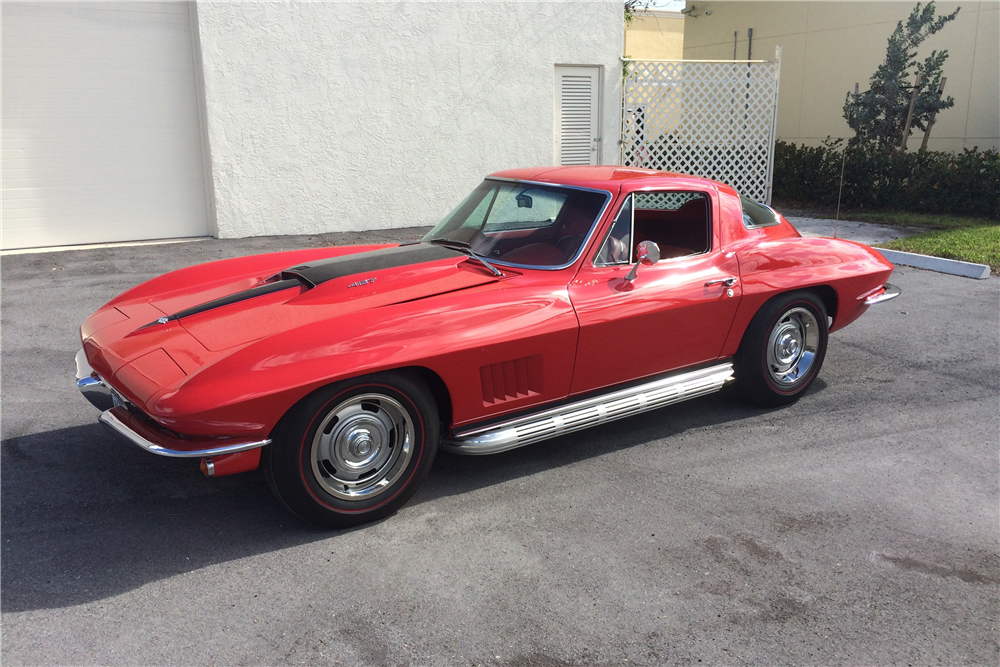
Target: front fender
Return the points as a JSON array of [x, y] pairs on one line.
[[454, 335]]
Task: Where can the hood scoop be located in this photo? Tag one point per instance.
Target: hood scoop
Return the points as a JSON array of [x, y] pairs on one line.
[[316, 273]]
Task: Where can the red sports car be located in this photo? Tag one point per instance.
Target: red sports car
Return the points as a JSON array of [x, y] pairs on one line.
[[549, 300]]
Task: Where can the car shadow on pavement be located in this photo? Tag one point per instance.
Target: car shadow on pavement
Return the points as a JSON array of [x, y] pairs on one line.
[[457, 474], [85, 517]]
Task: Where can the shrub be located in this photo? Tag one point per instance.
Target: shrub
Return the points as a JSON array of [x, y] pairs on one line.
[[967, 183]]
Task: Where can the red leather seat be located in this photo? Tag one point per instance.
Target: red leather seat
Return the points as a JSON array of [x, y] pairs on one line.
[[677, 233]]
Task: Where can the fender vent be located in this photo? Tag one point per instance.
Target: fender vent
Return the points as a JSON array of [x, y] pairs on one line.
[[510, 380]]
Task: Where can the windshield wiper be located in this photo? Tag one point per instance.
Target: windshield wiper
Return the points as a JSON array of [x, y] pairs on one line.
[[465, 248]]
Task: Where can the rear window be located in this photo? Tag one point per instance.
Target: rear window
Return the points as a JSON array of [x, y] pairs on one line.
[[757, 215]]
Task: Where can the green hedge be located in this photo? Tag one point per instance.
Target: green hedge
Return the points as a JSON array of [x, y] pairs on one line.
[[967, 183]]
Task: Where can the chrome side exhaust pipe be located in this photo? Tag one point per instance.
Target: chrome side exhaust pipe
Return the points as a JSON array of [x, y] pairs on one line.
[[590, 412]]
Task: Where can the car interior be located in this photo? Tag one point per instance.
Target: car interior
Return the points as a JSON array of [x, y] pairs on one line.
[[553, 242], [678, 222], [678, 232]]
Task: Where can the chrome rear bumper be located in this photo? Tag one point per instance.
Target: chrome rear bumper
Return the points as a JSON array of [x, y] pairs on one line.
[[887, 293]]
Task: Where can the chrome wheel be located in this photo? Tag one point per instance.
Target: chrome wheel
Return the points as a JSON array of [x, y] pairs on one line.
[[362, 447], [782, 349], [792, 346]]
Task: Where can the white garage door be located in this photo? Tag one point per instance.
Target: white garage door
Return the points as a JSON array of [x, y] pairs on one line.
[[102, 135]]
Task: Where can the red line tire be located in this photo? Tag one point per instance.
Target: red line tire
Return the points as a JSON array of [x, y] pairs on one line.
[[354, 451], [782, 349]]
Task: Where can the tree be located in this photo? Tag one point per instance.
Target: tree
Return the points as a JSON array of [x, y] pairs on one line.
[[879, 114], [633, 7]]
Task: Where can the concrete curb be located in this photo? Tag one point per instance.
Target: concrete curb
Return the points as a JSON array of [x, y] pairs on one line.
[[939, 264]]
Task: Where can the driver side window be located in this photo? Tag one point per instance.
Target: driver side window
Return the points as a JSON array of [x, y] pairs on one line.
[[677, 221]]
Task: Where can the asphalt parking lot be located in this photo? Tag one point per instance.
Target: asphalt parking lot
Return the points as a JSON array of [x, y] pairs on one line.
[[859, 526]]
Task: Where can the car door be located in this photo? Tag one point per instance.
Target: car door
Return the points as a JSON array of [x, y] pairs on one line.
[[673, 314]]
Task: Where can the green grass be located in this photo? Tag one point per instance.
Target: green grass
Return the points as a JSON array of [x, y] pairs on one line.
[[979, 244], [953, 237], [924, 220]]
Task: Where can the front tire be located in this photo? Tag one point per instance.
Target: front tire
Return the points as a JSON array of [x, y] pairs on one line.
[[354, 451], [783, 349]]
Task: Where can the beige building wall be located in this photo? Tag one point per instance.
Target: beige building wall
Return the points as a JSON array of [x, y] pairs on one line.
[[828, 46], [655, 35]]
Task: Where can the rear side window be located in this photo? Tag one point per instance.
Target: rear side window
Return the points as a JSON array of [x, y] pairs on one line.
[[757, 215]]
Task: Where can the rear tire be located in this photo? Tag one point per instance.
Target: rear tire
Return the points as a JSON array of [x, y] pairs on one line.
[[782, 349], [354, 451]]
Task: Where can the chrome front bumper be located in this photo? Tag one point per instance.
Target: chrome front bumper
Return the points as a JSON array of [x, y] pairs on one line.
[[115, 417], [91, 385], [120, 428]]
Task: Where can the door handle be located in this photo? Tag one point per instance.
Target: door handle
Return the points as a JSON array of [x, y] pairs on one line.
[[728, 282]]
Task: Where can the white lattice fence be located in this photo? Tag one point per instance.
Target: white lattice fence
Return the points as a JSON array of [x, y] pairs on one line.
[[707, 118]]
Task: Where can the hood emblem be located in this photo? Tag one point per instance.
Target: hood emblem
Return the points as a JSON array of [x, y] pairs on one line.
[[361, 282]]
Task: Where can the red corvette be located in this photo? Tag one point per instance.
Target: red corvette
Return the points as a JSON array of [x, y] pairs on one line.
[[549, 300]]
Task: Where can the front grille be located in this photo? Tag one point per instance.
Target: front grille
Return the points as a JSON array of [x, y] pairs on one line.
[[120, 401], [117, 398]]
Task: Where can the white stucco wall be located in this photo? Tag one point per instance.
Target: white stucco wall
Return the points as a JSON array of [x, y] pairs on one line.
[[349, 116]]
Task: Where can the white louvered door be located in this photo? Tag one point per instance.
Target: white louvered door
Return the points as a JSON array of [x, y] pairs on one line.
[[578, 127]]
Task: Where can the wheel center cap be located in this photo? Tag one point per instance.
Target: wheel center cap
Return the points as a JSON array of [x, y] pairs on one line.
[[788, 346], [360, 443]]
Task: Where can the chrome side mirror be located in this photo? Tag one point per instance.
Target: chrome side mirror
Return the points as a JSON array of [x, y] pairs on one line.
[[649, 254]]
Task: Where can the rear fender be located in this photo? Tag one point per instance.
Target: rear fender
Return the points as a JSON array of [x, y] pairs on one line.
[[851, 270]]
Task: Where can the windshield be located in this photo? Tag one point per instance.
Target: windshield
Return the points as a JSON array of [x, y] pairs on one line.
[[522, 224]]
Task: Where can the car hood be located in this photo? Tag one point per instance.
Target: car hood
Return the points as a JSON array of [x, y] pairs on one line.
[[193, 316], [330, 288]]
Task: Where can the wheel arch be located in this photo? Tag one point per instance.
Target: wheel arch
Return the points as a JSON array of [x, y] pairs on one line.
[[738, 333], [439, 391], [829, 297]]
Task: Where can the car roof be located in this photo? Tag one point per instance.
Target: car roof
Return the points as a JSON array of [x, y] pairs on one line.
[[604, 177]]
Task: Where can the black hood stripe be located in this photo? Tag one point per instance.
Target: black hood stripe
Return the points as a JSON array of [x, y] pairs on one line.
[[258, 290], [317, 273]]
